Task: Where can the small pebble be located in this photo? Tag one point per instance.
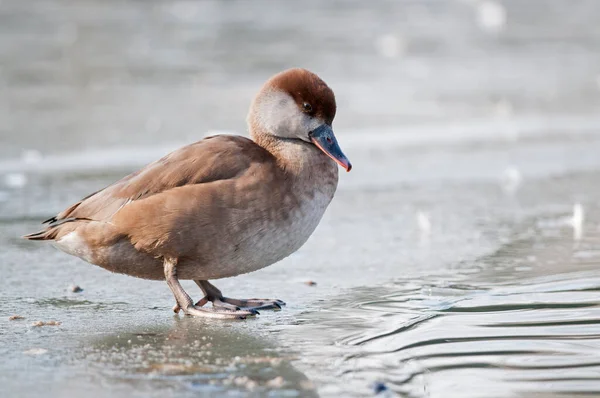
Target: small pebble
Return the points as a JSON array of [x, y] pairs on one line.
[[75, 289], [48, 323], [245, 381], [277, 382], [379, 387], [310, 283], [15, 317]]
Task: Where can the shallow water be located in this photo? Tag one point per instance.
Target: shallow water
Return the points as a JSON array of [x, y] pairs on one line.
[[452, 262]]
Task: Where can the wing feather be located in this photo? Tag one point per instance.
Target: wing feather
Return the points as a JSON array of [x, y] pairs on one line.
[[212, 159]]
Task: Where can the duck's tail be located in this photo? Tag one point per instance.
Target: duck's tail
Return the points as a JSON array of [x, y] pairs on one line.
[[46, 234], [52, 231]]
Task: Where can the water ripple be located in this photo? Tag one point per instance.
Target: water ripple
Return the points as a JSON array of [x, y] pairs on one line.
[[420, 340]]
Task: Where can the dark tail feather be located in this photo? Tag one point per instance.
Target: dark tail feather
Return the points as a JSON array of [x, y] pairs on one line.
[[47, 234], [64, 215], [50, 220], [51, 232]]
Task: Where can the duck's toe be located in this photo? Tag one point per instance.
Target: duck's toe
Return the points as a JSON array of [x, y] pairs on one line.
[[220, 309], [256, 304], [218, 303], [219, 312]]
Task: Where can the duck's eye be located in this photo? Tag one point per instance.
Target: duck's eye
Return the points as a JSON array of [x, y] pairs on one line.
[[307, 107]]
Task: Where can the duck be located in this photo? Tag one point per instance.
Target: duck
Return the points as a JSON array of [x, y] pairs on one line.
[[220, 207]]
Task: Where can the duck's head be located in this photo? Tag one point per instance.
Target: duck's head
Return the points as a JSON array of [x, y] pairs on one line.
[[296, 104]]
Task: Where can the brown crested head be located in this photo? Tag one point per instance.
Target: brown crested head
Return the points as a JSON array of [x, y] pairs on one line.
[[310, 93], [296, 104]]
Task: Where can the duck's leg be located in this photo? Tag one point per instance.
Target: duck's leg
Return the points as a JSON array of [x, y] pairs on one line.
[[185, 303], [211, 293]]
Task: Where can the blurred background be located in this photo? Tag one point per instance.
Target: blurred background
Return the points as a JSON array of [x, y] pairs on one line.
[[459, 257]]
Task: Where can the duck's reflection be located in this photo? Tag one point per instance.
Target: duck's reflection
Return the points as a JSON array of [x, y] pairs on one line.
[[195, 355]]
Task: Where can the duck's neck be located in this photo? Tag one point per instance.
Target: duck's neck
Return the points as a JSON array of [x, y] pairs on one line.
[[297, 157]]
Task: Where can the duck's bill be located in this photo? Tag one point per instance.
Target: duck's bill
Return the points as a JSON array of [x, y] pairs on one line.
[[324, 139]]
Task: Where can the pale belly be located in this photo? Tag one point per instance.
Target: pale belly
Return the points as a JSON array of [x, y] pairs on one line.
[[120, 257]]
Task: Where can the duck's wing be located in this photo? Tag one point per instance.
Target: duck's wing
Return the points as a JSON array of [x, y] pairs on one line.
[[211, 159]]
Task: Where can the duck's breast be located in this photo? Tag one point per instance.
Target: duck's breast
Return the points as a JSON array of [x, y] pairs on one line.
[[287, 234], [261, 237]]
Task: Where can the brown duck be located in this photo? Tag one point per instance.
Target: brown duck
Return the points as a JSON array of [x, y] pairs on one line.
[[220, 207]]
